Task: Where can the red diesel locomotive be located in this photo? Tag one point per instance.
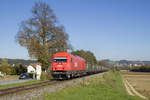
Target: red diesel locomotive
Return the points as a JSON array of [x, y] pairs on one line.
[[66, 65]]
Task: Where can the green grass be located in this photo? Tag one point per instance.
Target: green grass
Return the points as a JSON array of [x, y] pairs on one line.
[[9, 77], [19, 84], [108, 87], [12, 76]]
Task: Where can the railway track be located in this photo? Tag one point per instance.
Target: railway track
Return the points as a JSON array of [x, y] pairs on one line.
[[16, 89], [7, 91]]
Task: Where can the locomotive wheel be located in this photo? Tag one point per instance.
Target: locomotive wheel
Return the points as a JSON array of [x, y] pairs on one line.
[[68, 76]]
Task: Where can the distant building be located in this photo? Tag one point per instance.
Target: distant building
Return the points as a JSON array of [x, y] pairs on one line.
[[31, 69], [13, 65]]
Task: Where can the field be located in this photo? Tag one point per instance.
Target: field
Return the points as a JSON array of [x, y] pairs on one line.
[[140, 81], [107, 87]]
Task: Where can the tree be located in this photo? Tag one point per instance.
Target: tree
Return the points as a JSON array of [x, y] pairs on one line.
[[13, 71], [5, 68], [19, 69], [102, 63], [42, 35], [4, 61], [87, 55]]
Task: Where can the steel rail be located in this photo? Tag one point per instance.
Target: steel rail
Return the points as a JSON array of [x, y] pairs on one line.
[[10, 90]]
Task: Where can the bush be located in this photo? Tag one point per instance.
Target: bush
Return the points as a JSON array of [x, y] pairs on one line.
[[145, 68], [5, 69], [1, 77], [45, 76]]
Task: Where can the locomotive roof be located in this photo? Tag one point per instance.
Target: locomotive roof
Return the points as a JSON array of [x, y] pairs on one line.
[[66, 54]]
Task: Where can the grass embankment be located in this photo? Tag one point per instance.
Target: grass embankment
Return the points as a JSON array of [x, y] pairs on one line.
[[19, 84], [108, 87]]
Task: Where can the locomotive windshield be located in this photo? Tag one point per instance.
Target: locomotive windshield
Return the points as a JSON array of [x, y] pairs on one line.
[[60, 59]]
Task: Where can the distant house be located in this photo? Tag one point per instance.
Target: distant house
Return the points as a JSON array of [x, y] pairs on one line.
[[31, 69], [35, 68]]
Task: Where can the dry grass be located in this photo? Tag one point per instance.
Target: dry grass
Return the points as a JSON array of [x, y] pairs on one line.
[[140, 81]]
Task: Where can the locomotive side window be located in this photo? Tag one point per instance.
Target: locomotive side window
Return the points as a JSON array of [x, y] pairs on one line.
[[60, 59], [71, 60]]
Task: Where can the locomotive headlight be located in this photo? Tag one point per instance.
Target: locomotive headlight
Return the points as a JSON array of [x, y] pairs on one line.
[[59, 65]]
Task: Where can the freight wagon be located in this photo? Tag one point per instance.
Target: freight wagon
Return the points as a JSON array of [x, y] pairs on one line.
[[66, 66]]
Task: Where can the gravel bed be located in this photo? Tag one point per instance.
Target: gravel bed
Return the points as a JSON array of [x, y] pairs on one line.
[[38, 93]]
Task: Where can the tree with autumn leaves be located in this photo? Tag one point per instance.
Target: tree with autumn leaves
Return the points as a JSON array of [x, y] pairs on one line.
[[42, 35]]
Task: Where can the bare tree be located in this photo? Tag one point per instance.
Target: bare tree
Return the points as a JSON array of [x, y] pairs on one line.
[[42, 35]]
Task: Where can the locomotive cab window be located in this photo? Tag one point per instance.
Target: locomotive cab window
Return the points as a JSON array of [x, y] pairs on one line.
[[60, 59]]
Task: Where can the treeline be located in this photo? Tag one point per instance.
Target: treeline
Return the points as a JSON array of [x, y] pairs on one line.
[[144, 68], [17, 61], [17, 69], [87, 55]]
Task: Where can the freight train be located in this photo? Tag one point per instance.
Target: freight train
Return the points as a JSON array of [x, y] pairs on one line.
[[66, 66]]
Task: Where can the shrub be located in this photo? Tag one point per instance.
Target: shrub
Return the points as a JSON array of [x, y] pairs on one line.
[[45, 76], [1, 77], [145, 68], [5, 69]]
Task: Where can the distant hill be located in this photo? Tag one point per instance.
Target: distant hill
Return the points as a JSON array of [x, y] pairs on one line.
[[125, 62], [21, 61], [146, 62]]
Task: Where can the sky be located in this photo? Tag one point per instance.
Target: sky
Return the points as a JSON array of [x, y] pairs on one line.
[[111, 29]]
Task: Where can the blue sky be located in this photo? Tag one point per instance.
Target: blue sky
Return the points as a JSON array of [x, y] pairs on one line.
[[112, 29]]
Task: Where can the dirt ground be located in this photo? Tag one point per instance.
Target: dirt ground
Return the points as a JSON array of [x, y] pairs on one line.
[[140, 81]]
